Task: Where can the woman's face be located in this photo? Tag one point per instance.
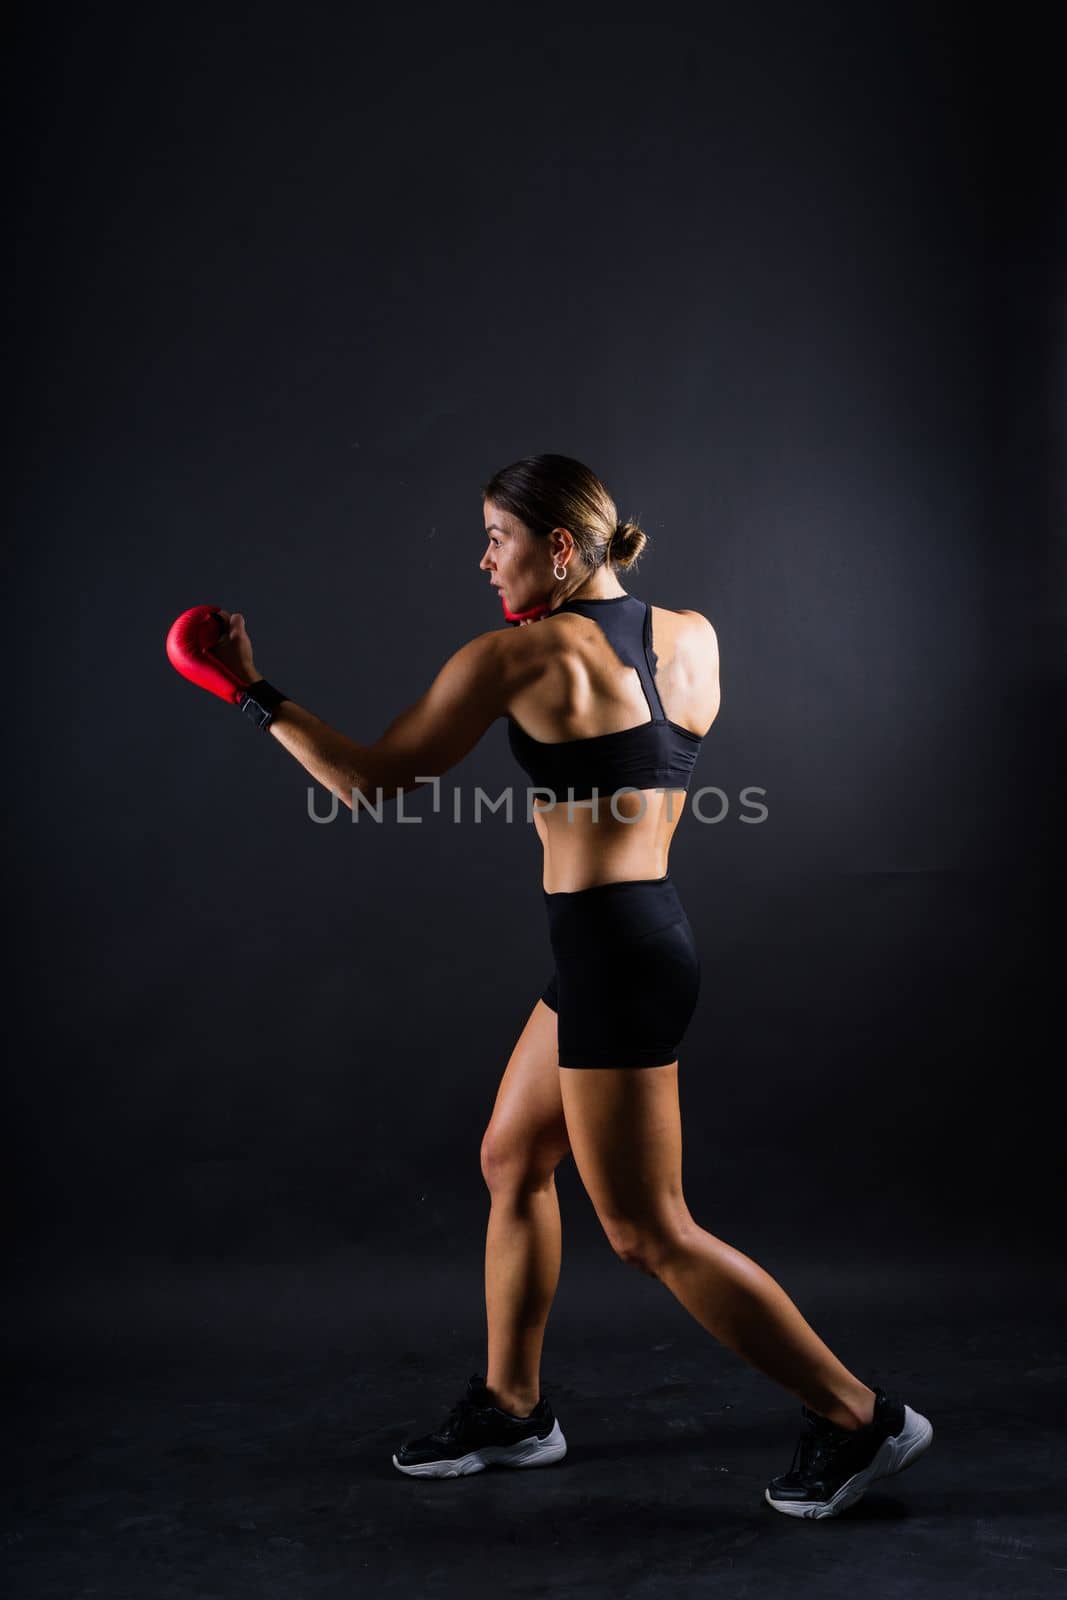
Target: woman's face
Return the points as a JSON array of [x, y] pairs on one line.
[[518, 564]]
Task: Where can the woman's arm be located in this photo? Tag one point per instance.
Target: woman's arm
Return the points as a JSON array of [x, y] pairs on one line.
[[472, 689]]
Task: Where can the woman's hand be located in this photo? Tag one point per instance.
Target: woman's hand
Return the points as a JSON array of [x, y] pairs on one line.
[[234, 649]]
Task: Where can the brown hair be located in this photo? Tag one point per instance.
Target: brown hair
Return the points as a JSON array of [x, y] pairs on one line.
[[547, 492]]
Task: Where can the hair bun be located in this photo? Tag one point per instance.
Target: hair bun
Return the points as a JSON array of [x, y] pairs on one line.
[[627, 543]]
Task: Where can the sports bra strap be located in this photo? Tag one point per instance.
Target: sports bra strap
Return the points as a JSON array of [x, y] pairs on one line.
[[651, 662]]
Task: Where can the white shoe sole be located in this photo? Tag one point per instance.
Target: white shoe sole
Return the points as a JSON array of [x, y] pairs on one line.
[[532, 1452], [894, 1454]]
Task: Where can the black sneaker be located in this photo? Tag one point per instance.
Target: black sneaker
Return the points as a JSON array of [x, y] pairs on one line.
[[832, 1466], [476, 1434]]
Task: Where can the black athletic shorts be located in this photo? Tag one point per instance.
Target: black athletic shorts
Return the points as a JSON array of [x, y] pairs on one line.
[[627, 973]]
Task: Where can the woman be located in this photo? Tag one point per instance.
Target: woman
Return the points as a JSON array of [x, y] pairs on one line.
[[607, 700]]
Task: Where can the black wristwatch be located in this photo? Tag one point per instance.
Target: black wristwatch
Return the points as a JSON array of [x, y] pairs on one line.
[[260, 701]]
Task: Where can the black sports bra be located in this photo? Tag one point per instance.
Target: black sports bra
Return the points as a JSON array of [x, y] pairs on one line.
[[654, 755]]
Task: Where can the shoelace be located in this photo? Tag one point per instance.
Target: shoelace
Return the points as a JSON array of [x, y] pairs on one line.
[[817, 1444], [463, 1408]]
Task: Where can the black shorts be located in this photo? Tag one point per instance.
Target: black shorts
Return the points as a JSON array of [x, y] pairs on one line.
[[627, 973]]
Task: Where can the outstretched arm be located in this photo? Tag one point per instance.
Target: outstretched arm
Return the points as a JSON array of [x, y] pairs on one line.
[[471, 690]]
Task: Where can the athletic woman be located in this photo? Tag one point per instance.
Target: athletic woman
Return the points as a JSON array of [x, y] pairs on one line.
[[607, 699]]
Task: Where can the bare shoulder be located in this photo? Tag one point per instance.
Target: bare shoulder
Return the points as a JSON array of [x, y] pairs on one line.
[[516, 657], [700, 636], [693, 634], [699, 622], [489, 666]]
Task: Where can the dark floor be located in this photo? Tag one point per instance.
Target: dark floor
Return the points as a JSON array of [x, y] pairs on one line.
[[228, 1433]]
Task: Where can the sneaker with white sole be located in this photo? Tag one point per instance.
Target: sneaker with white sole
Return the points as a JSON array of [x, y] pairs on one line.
[[833, 1466], [476, 1434]]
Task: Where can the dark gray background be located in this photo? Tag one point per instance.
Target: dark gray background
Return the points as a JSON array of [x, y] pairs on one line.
[[288, 293]]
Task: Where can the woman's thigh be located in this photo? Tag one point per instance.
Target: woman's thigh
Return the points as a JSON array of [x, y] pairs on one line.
[[624, 1126], [528, 1127]]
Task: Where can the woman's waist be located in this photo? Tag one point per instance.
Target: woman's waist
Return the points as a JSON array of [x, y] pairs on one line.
[[576, 871], [582, 850], [606, 887], [600, 914]]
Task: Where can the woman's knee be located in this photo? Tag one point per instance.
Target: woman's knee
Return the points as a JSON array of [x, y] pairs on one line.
[[651, 1244], [509, 1162]]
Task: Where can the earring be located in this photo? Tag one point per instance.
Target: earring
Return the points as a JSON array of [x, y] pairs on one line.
[[557, 574]]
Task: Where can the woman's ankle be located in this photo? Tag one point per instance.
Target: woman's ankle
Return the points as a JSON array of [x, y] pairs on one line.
[[856, 1411], [513, 1401]]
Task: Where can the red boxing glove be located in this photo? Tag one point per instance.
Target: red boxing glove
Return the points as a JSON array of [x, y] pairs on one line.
[[534, 613], [190, 641], [191, 637]]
